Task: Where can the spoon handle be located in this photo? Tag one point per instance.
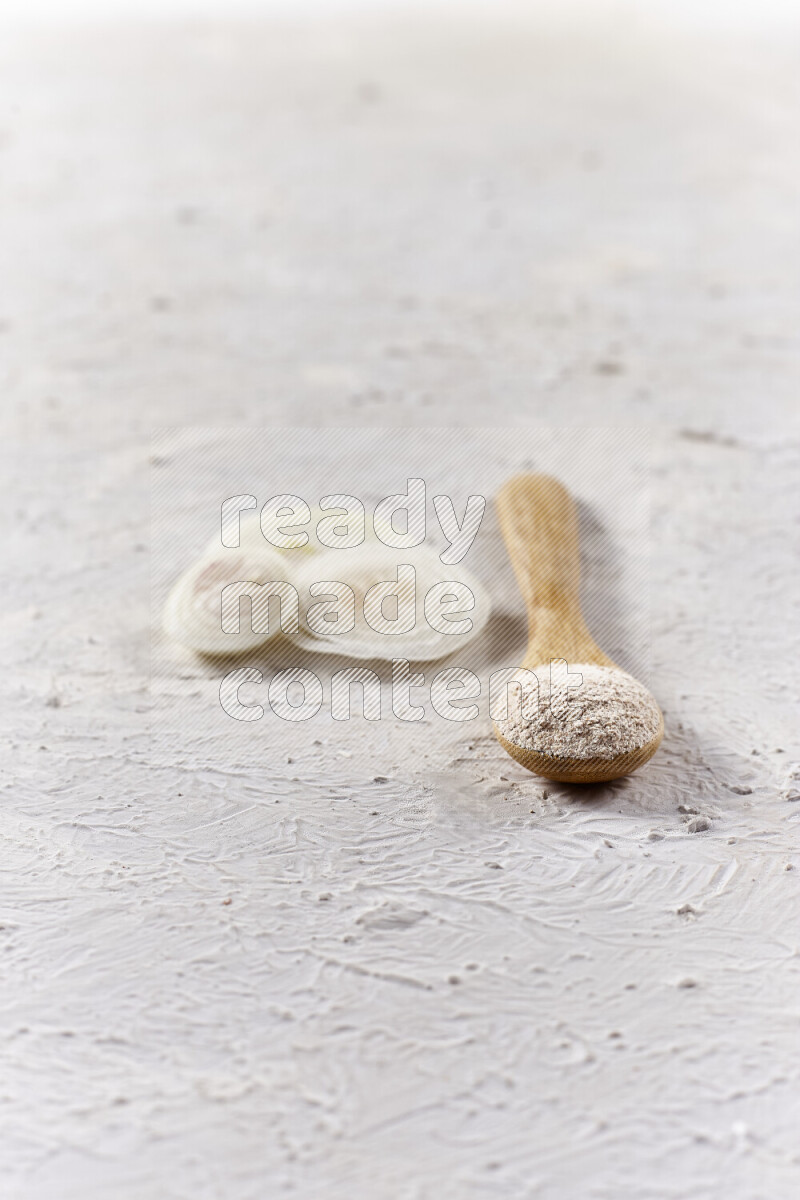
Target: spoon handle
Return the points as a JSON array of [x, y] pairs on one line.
[[539, 522]]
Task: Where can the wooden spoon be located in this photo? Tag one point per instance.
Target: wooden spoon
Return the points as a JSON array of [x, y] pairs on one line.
[[540, 527]]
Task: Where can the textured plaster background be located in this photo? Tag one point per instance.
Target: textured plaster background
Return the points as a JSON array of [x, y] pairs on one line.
[[280, 978]]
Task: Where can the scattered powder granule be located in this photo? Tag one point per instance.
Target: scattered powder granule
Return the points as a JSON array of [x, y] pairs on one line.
[[586, 711]]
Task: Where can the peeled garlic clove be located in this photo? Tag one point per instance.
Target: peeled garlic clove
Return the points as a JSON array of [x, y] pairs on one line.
[[193, 611], [362, 568]]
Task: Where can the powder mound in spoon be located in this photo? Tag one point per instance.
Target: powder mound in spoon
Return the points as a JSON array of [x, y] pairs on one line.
[[605, 714]]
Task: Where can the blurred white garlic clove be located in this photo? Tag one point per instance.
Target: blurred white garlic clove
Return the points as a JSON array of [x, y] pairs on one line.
[[437, 609], [193, 613]]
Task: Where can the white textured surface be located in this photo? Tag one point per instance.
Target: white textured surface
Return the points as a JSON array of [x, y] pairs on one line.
[[458, 983]]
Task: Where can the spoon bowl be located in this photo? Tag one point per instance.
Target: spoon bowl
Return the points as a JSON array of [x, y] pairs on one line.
[[581, 770]]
